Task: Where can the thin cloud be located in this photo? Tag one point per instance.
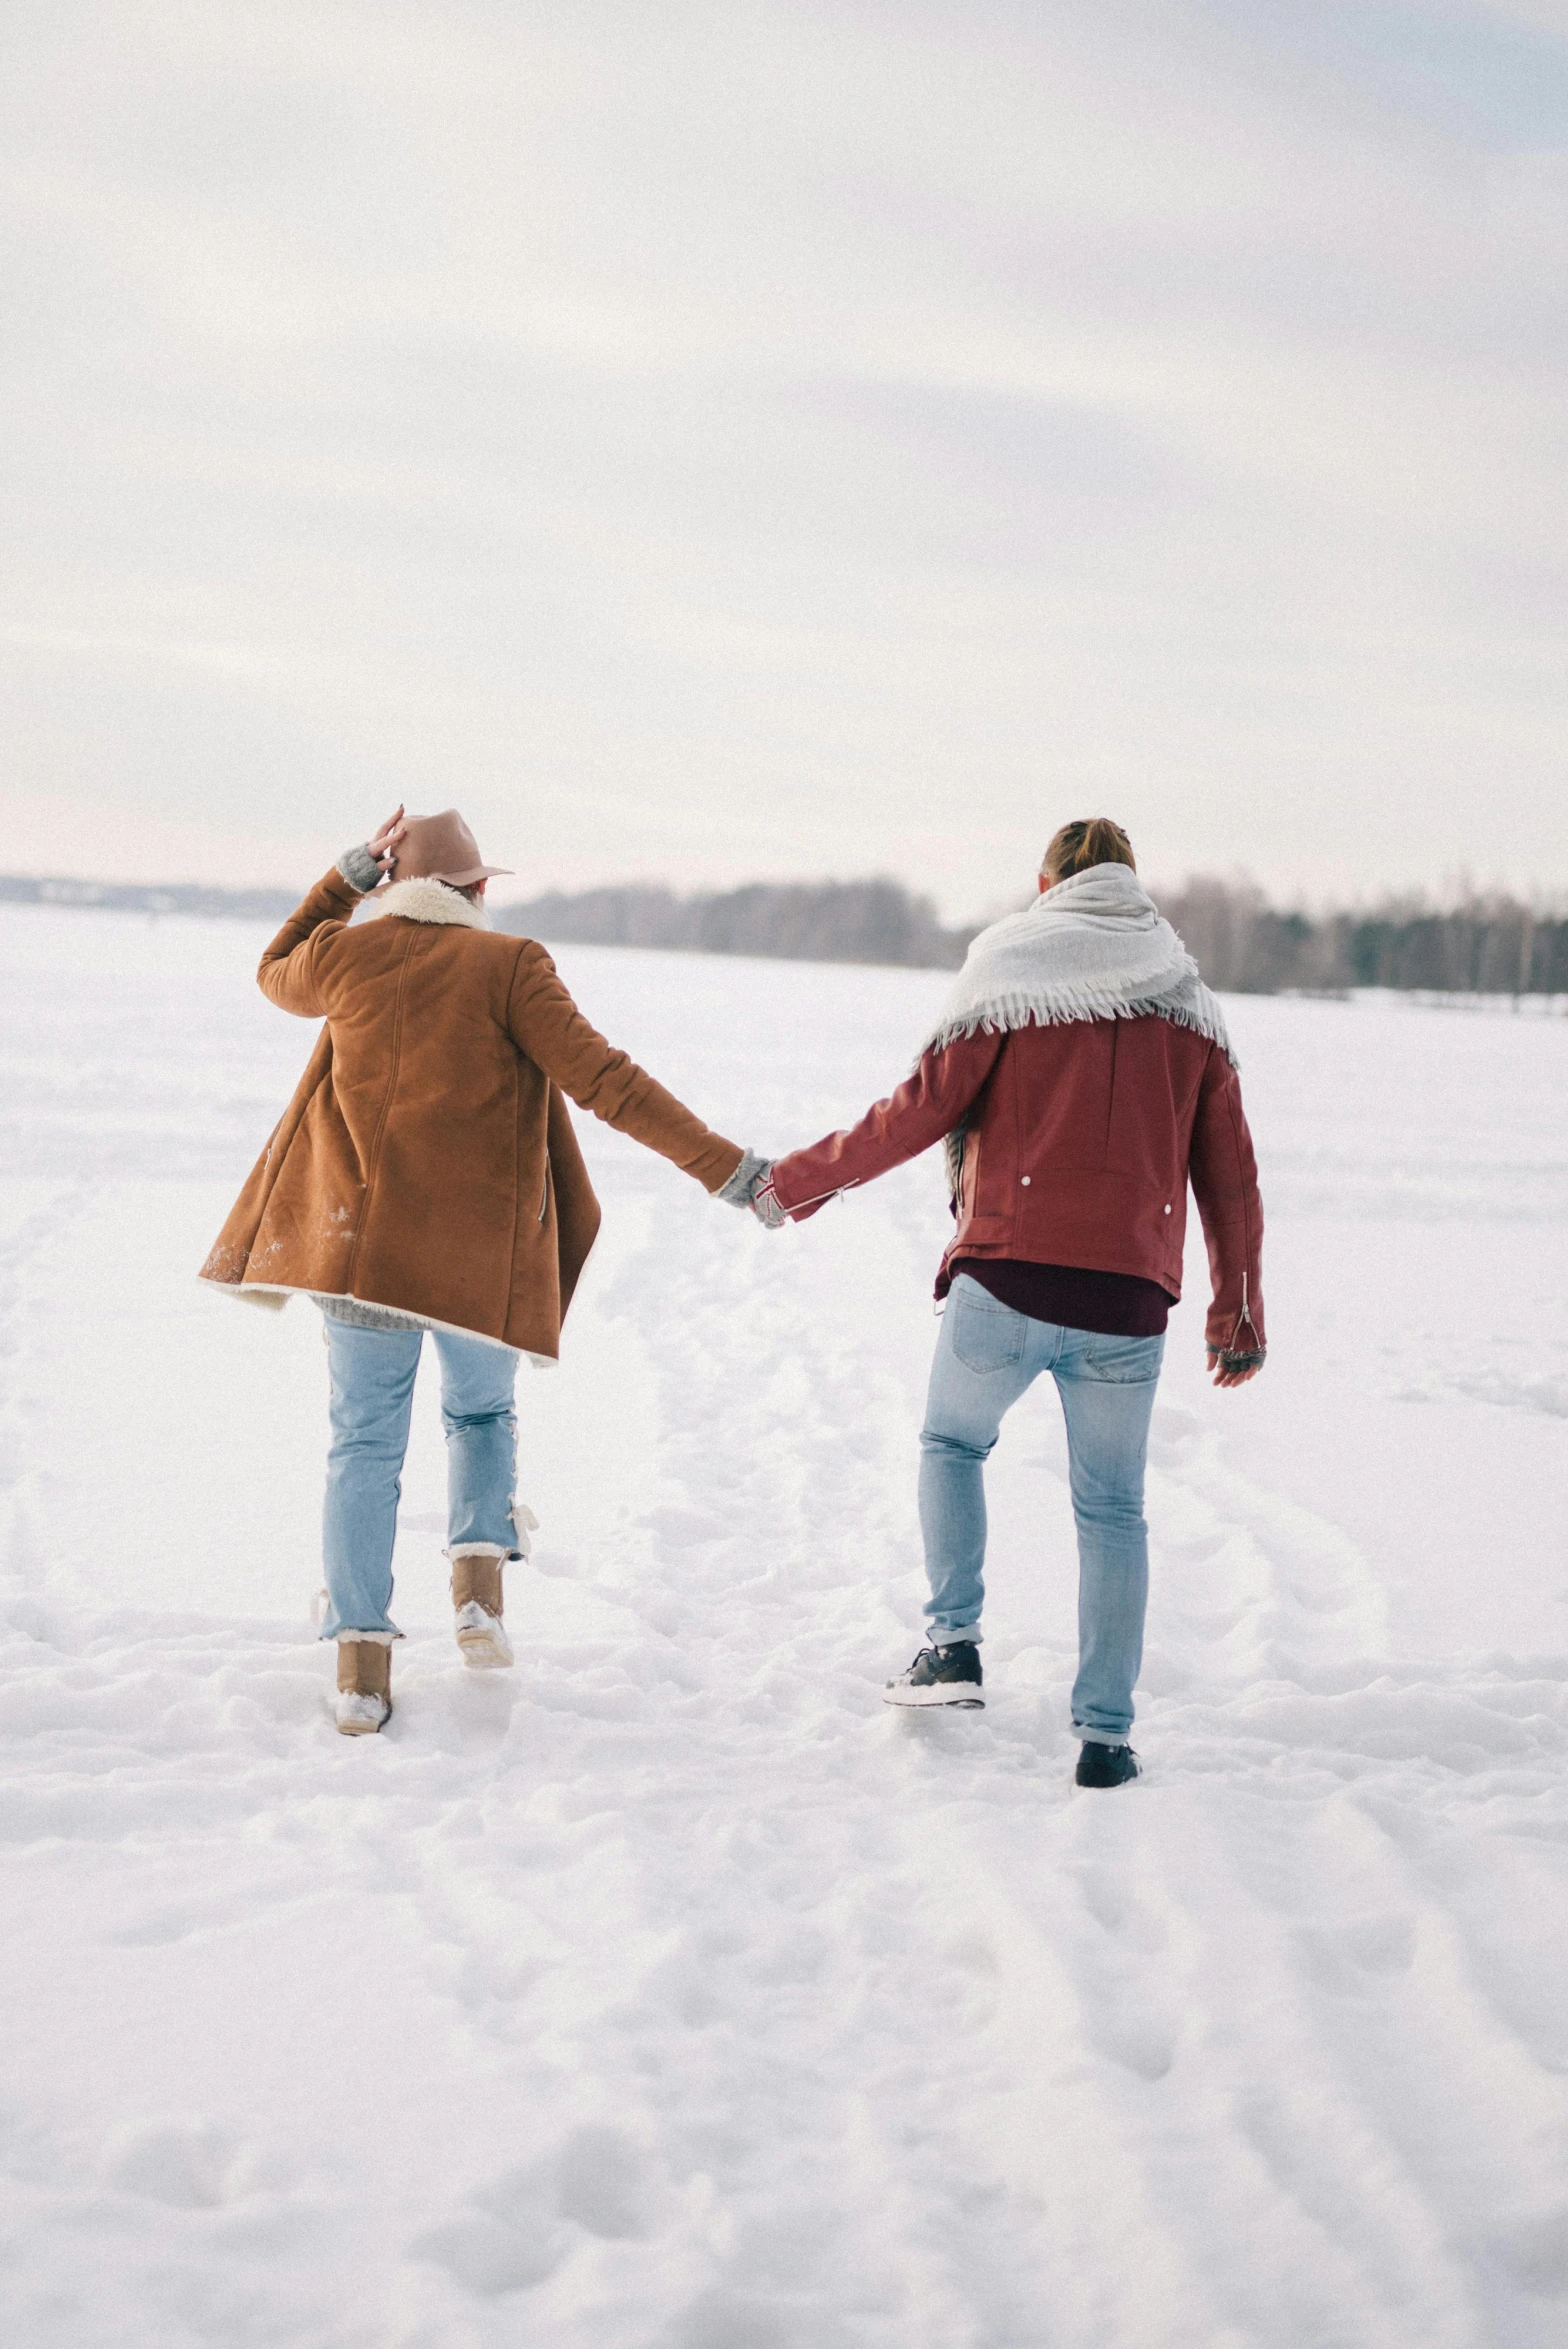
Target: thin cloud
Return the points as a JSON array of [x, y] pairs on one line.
[[727, 442]]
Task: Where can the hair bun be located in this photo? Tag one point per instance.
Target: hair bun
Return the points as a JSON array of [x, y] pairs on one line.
[[1088, 840]]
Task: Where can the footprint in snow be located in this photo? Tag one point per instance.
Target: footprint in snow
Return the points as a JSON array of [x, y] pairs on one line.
[[1535, 2253], [1113, 1906], [515, 2232], [724, 2320], [1139, 2043], [489, 2255], [1349, 1958], [187, 2165]]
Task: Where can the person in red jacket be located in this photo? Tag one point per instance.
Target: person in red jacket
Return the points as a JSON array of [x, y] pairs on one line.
[[1080, 1078]]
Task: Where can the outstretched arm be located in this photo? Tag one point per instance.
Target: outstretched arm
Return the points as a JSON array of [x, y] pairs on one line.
[[546, 1024], [924, 1110]]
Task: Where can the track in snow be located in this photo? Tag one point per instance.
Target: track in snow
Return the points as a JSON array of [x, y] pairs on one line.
[[669, 1991]]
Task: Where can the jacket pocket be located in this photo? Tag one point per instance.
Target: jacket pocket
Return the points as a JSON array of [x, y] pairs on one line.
[[987, 1335]]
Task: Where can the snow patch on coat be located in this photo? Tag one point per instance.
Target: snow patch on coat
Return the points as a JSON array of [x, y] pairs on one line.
[[422, 900]]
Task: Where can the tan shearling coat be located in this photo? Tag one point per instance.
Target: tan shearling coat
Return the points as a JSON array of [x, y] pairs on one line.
[[427, 1160]]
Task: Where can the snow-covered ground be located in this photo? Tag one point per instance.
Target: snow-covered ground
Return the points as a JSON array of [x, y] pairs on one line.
[[670, 1992]]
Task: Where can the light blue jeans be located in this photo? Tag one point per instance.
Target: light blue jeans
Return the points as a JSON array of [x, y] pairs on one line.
[[985, 1358], [372, 1398]]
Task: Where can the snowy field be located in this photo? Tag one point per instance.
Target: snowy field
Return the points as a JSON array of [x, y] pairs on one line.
[[670, 1992]]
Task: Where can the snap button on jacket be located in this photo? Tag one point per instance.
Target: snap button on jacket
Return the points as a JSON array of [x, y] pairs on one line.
[[427, 1160]]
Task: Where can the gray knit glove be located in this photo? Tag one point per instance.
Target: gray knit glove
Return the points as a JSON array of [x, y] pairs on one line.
[[741, 1188], [360, 869], [765, 1202], [751, 1185]]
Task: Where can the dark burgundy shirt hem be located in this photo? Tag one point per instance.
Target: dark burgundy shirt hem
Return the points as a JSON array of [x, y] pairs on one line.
[[1116, 1304]]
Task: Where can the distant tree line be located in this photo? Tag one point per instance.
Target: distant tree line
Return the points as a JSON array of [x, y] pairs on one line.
[[1493, 945], [789, 921], [149, 897], [1487, 944]]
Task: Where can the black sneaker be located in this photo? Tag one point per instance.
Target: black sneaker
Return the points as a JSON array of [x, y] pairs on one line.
[[940, 1676], [1106, 1765]]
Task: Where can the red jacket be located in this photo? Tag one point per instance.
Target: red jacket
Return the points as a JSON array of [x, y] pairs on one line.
[[1080, 1143]]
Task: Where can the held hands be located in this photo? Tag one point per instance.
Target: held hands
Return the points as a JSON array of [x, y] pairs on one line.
[[751, 1185], [1233, 1370]]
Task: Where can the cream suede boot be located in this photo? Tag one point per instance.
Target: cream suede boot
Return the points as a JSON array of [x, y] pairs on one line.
[[476, 1594], [364, 1686]]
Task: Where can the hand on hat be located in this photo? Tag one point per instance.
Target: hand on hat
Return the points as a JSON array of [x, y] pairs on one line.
[[382, 845]]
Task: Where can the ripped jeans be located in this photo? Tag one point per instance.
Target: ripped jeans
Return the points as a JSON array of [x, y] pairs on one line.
[[372, 1398]]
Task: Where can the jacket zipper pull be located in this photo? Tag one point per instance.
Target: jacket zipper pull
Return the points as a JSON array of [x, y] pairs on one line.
[[1245, 1315]]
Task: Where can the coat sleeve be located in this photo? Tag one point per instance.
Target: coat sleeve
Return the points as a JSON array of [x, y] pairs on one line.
[[288, 973], [1224, 1176], [546, 1024], [926, 1107]]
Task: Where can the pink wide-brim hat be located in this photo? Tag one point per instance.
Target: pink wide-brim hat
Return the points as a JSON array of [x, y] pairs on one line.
[[440, 848]]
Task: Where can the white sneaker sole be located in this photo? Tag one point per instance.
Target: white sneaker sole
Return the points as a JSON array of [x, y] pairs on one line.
[[958, 1696], [362, 1716], [485, 1645]]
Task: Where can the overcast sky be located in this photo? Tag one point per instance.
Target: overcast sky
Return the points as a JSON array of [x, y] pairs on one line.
[[712, 442]]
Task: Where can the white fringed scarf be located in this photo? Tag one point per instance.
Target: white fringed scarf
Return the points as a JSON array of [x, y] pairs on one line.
[[1093, 947]]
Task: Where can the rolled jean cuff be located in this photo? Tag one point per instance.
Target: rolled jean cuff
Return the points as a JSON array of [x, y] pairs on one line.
[[369, 1639], [480, 1550], [1088, 1736], [941, 1637]]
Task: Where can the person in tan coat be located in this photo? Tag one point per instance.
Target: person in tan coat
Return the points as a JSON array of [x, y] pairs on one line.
[[426, 1176]]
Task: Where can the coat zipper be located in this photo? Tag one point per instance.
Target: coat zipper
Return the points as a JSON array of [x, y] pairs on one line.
[[1243, 1316], [821, 1195]]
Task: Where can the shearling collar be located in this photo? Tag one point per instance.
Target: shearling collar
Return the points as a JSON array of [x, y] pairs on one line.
[[429, 901]]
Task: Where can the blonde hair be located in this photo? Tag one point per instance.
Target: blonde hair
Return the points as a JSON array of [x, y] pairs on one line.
[[1089, 840]]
